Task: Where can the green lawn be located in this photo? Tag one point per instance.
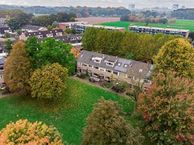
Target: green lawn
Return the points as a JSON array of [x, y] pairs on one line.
[[70, 117], [180, 24]]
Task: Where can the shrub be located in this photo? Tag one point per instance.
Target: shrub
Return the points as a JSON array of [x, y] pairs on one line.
[[24, 132], [49, 82], [120, 87], [106, 126]]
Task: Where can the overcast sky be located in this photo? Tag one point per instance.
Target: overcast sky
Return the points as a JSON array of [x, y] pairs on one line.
[[103, 3]]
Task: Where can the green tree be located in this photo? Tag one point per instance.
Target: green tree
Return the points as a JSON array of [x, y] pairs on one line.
[[32, 48], [17, 69], [8, 45], [49, 82], [50, 51], [19, 21], [167, 109], [106, 126], [89, 38], [178, 56], [141, 47]]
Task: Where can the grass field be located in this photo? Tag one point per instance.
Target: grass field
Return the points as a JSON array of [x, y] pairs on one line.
[[180, 24], [70, 117]]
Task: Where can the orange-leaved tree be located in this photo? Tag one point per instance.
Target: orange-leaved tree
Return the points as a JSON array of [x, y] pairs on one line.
[[24, 132], [167, 110]]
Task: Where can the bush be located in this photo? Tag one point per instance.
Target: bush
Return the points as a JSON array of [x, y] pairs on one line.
[[49, 82], [107, 84], [120, 87], [24, 132]]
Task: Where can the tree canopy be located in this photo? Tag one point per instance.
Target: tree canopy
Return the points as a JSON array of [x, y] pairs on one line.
[[178, 56], [50, 51], [106, 126], [49, 82], [167, 109], [128, 45], [25, 132], [17, 69]]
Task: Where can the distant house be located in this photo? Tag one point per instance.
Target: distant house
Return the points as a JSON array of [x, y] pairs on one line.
[[42, 34], [106, 67], [80, 28], [156, 30], [4, 30], [33, 28]]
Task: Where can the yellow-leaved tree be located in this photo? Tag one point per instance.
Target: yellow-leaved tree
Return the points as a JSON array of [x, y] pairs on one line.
[[49, 82], [177, 56], [24, 132]]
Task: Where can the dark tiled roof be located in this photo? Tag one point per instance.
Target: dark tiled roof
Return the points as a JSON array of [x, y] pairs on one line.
[[70, 38], [31, 27], [132, 68], [44, 33], [3, 29]]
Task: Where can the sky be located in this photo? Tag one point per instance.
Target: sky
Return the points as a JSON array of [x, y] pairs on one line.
[[102, 3]]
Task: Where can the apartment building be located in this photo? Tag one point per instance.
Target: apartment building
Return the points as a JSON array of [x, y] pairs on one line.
[[80, 28], [156, 30], [106, 67], [70, 25]]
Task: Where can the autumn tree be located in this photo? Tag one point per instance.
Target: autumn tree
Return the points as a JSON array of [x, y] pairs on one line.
[[178, 56], [106, 126], [17, 69], [25, 132], [167, 110], [49, 82]]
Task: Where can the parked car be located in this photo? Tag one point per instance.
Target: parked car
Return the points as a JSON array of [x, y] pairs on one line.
[[94, 79]]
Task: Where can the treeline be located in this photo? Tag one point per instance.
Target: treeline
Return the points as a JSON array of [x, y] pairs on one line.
[[183, 14], [10, 13], [47, 20], [145, 16], [134, 18], [80, 11], [19, 19], [128, 45]]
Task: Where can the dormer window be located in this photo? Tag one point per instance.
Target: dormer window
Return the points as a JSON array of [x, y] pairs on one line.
[[97, 59], [109, 63]]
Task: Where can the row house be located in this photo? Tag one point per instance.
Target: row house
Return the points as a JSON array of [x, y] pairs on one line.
[[33, 28], [106, 67], [4, 30], [156, 30], [42, 34]]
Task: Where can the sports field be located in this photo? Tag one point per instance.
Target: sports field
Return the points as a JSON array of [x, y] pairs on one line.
[[180, 24]]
